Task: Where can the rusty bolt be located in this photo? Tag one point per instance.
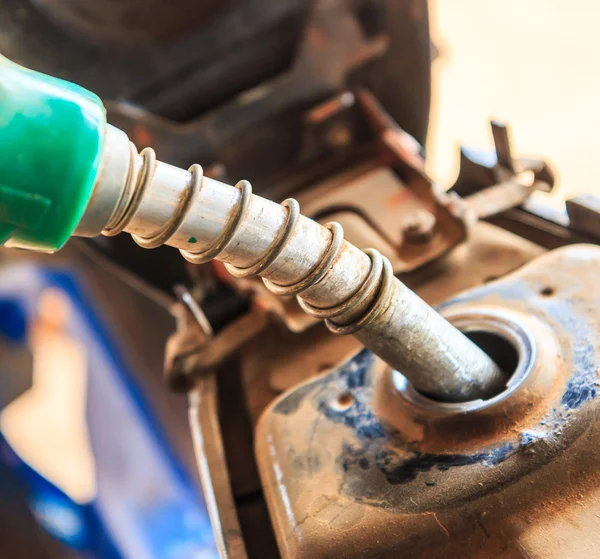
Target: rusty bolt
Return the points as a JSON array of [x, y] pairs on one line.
[[418, 227]]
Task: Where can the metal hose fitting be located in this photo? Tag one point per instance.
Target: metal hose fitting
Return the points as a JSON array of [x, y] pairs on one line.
[[354, 291]]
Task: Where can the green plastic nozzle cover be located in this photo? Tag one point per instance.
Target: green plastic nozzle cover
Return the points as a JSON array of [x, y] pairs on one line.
[[51, 141]]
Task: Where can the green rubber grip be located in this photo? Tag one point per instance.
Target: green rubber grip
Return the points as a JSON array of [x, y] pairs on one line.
[[51, 141]]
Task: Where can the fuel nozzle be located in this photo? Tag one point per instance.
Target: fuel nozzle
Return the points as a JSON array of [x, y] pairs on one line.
[[51, 145], [64, 171]]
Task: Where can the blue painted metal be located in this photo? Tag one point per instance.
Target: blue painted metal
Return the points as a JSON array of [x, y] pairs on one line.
[[381, 465], [146, 506]]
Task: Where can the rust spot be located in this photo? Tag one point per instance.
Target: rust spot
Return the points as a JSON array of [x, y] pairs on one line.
[[400, 198], [142, 137]]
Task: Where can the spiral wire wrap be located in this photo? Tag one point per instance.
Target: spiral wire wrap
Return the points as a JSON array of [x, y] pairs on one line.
[[230, 230], [274, 251], [379, 280], [319, 273], [173, 224], [373, 294], [136, 185]]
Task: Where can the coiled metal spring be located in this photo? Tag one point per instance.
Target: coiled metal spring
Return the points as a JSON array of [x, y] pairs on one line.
[[377, 286], [136, 185]]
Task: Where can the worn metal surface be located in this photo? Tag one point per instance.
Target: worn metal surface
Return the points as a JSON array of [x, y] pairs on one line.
[[496, 182], [193, 349], [291, 359], [277, 360], [490, 253], [354, 291], [419, 227], [286, 309], [193, 333], [505, 195], [540, 222], [375, 189], [374, 194], [377, 205], [436, 358], [583, 212], [238, 513], [352, 468], [212, 465]]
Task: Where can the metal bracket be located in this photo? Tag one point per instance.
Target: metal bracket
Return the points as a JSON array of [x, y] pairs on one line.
[[494, 184], [194, 349]]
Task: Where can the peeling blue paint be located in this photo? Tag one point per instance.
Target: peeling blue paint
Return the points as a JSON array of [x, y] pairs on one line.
[[581, 387], [399, 470], [528, 438], [354, 378], [373, 446]]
